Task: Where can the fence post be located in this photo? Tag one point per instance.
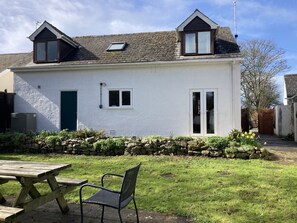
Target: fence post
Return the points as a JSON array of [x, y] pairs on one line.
[[295, 121]]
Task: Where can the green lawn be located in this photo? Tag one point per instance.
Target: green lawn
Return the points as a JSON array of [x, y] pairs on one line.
[[207, 190]]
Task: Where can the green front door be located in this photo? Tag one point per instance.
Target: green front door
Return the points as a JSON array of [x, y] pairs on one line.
[[68, 110]]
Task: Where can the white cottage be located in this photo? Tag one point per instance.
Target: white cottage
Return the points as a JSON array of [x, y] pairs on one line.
[[184, 82]]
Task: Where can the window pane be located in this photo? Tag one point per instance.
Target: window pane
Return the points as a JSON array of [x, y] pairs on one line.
[[40, 52], [210, 112], [190, 43], [203, 42], [114, 98], [126, 98], [52, 48], [196, 112], [116, 46]]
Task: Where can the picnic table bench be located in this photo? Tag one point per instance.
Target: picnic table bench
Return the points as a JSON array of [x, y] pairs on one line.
[[60, 180], [29, 173], [8, 214]]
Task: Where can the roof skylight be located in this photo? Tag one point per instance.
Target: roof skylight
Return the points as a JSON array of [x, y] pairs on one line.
[[116, 46]]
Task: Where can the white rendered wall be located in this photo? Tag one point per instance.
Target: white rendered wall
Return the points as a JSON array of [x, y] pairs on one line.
[[284, 124], [160, 97], [285, 100]]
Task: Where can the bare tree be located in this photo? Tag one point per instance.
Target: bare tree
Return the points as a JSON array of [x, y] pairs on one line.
[[263, 61]]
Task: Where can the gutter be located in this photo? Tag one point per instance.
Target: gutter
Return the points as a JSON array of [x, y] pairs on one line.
[[96, 66]]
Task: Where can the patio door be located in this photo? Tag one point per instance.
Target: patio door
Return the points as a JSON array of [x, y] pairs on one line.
[[203, 118], [69, 110]]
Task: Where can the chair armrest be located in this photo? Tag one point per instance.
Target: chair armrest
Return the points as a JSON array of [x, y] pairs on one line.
[[109, 174], [94, 186]]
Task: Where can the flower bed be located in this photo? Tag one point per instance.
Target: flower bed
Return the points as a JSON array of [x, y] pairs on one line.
[[90, 142]]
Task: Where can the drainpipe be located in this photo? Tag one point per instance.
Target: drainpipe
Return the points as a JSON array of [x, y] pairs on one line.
[[101, 85]]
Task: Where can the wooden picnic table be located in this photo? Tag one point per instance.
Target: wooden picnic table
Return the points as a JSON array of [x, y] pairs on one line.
[[29, 173]]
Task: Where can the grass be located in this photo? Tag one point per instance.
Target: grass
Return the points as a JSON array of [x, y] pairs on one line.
[[206, 190]]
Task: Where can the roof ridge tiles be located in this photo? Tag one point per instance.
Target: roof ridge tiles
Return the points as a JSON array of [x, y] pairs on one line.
[[124, 34]]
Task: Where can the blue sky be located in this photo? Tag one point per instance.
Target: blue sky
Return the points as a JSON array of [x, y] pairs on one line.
[[256, 19]]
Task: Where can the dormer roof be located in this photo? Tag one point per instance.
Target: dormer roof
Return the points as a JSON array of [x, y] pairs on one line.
[[199, 15], [58, 33]]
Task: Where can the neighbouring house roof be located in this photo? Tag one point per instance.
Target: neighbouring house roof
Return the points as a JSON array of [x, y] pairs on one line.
[[16, 59], [291, 85]]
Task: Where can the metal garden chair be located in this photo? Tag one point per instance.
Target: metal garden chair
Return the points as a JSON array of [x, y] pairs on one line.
[[111, 198]]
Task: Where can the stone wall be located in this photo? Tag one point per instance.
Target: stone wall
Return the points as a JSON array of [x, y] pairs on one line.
[[134, 146]]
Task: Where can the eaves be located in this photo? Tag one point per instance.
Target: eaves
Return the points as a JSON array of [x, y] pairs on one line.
[[97, 66]]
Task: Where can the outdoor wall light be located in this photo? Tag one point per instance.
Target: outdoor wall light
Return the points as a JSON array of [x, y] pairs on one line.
[[102, 84]]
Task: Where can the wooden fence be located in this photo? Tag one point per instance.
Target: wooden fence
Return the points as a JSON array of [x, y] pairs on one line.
[[6, 108], [266, 121]]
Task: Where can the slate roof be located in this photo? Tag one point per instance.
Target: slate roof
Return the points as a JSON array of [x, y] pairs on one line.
[[141, 47], [291, 85], [225, 42], [13, 60]]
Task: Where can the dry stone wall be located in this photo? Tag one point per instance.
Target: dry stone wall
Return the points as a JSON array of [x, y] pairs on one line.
[[131, 147]]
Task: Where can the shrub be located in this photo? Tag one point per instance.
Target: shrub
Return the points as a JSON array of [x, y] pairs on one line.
[[230, 152], [110, 146], [12, 139], [183, 138], [52, 140], [153, 138], [234, 144], [85, 145], [234, 135], [86, 133], [217, 142], [46, 133], [65, 134]]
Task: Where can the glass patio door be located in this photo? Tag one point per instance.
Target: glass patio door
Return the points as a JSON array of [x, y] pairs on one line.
[[203, 112]]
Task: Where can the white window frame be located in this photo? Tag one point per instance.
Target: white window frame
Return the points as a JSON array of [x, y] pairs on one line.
[[120, 98], [203, 112]]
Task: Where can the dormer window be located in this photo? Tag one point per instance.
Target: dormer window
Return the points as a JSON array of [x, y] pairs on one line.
[[51, 45], [197, 35], [197, 42], [46, 51]]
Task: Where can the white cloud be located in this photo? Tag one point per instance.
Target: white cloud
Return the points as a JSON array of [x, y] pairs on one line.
[[86, 17], [221, 2], [97, 17], [257, 18]]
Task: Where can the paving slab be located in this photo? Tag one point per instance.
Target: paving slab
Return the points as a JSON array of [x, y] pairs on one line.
[[50, 213], [273, 142]]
